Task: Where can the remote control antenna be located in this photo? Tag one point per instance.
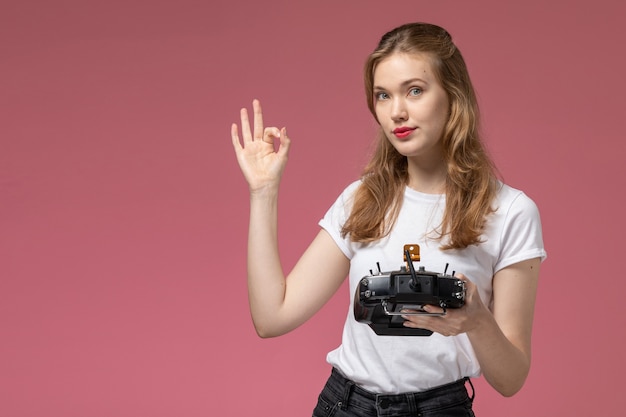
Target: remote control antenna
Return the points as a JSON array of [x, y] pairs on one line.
[[414, 284], [446, 270], [378, 266]]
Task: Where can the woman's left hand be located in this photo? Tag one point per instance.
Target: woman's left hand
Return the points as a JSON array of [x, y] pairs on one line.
[[456, 320]]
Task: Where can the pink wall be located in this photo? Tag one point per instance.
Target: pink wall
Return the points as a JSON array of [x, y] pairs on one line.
[[123, 213]]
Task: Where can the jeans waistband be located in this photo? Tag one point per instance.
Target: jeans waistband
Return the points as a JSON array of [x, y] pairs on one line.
[[351, 390]]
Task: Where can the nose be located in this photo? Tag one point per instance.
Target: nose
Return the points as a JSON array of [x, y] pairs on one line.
[[398, 110]]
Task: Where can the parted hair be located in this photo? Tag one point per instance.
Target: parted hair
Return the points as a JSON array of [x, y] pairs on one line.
[[471, 182]]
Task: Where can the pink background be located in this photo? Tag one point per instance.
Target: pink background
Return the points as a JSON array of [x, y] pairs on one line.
[[123, 214]]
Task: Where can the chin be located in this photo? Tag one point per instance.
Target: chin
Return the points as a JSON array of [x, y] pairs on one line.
[[408, 151]]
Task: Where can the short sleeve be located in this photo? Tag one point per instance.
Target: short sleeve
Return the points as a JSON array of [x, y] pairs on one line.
[[522, 237], [336, 216]]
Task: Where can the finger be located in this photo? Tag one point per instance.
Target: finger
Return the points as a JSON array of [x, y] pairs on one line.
[[258, 119], [245, 126], [270, 133], [470, 287], [420, 323], [285, 142], [431, 309], [234, 134]]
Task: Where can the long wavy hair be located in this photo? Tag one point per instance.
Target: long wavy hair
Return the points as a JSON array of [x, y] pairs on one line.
[[471, 182]]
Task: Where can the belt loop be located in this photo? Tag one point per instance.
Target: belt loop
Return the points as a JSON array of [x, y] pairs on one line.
[[347, 391], [472, 386], [412, 401]]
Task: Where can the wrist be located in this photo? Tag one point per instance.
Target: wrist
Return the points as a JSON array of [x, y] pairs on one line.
[[484, 323], [265, 192], [263, 196]]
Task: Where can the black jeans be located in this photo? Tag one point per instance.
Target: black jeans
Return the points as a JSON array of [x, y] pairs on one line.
[[343, 398]]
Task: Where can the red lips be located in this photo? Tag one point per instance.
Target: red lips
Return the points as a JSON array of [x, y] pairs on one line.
[[402, 132]]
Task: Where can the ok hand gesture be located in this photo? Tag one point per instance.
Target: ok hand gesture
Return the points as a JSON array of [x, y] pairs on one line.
[[262, 165]]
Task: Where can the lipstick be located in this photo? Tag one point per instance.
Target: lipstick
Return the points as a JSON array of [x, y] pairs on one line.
[[403, 132]]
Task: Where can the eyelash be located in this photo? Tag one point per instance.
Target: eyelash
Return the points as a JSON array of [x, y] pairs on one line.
[[383, 96], [379, 96]]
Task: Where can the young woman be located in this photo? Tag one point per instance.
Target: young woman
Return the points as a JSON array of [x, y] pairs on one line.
[[429, 183]]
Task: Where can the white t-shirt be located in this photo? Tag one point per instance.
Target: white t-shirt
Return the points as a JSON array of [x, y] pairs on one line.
[[397, 364]]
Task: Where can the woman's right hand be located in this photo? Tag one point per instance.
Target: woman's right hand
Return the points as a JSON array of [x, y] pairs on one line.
[[262, 165], [277, 304]]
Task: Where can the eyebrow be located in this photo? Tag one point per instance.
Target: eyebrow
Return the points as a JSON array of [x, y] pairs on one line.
[[404, 83]]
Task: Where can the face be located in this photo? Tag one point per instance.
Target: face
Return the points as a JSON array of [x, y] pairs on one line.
[[411, 105]]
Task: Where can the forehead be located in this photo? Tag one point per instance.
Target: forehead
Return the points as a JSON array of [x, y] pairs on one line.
[[399, 67]]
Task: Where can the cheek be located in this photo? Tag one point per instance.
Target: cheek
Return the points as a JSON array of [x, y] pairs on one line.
[[444, 116], [378, 114], [443, 112]]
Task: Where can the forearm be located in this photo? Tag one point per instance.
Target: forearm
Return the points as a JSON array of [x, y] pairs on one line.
[[266, 279], [504, 364]]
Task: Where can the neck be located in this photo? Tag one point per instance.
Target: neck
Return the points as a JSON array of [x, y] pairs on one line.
[[428, 178]]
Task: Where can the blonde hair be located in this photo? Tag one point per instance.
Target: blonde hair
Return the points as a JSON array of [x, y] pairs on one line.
[[471, 182]]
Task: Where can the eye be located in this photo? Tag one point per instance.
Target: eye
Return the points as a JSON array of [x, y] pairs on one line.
[[415, 91], [381, 95]]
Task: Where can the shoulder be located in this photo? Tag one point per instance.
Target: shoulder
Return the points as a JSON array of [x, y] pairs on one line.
[[510, 201], [352, 187], [343, 203], [336, 216], [346, 198], [515, 228]]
